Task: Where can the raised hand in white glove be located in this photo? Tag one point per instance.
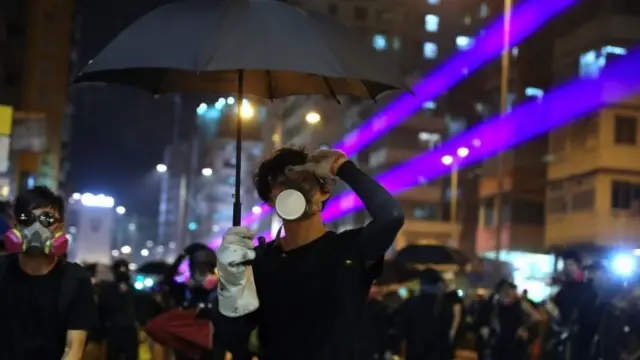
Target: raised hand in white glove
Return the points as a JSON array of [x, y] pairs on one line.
[[324, 163], [237, 293]]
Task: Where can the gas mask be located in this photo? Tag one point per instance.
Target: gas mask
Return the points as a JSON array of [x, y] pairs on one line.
[[295, 202], [32, 235], [207, 281]]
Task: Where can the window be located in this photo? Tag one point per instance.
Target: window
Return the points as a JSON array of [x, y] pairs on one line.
[[557, 205], [396, 43], [430, 50], [625, 132], [431, 23], [583, 200], [592, 62], [464, 42], [433, 2], [488, 212], [484, 10], [528, 212], [333, 9], [383, 15], [624, 195], [380, 42], [360, 13], [426, 212]]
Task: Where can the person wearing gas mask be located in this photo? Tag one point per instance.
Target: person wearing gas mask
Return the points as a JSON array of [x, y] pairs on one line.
[[47, 305], [505, 322], [306, 290], [117, 302], [570, 310], [200, 289]]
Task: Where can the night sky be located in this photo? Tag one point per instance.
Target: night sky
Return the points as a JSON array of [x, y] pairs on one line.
[[118, 134]]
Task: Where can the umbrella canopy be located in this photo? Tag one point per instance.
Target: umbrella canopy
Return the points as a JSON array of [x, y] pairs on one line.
[[248, 47], [181, 330], [257, 47], [431, 254]]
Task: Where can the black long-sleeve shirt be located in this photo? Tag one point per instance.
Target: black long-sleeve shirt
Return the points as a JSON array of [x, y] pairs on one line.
[[311, 297]]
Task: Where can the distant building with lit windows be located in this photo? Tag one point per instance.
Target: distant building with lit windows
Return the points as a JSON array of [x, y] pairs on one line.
[[593, 175], [420, 36]]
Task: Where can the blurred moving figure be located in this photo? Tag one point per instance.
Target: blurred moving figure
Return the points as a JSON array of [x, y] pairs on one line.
[[422, 324], [376, 322], [452, 309], [199, 292], [504, 323], [51, 306], [571, 312], [7, 222], [117, 304]]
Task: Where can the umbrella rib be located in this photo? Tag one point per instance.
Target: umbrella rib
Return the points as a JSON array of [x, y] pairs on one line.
[[269, 85], [368, 88], [330, 89]]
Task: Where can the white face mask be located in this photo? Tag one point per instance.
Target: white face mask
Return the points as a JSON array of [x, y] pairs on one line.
[[291, 205]]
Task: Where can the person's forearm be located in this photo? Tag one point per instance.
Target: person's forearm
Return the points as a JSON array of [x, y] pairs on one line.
[[73, 354], [385, 211]]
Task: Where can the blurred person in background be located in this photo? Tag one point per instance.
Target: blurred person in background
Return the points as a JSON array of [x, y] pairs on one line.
[[453, 312], [199, 291], [117, 305], [504, 324], [7, 222], [570, 311], [95, 349], [51, 306], [423, 327], [376, 321]]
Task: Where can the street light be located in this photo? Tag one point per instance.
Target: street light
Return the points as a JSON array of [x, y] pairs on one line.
[[313, 117], [247, 111], [144, 252], [161, 168], [452, 161], [121, 210], [207, 171], [125, 249]]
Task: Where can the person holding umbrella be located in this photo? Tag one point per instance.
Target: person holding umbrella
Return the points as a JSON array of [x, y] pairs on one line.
[[305, 291]]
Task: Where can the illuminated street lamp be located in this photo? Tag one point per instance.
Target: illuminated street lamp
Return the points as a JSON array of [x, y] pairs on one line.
[[207, 171], [161, 168], [121, 210], [313, 117], [125, 249], [247, 111], [452, 161]]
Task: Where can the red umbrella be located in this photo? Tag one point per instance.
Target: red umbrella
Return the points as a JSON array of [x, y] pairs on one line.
[[181, 330]]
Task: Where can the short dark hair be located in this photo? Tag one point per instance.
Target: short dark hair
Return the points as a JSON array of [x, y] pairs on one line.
[[37, 198], [273, 167]]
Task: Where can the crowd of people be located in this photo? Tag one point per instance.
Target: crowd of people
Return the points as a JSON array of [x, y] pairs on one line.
[[309, 294]]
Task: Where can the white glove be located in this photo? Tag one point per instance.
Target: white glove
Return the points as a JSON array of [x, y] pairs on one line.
[[237, 295], [323, 163]]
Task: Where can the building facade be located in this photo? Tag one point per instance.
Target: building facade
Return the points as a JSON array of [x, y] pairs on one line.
[[593, 178], [36, 41]]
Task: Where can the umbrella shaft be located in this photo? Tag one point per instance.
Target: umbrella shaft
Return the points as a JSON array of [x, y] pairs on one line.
[[237, 204]]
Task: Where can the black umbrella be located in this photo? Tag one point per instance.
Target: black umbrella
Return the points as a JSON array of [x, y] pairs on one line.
[[431, 254], [249, 47]]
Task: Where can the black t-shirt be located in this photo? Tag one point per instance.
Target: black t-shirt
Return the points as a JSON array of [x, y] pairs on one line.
[[32, 325], [311, 298]]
